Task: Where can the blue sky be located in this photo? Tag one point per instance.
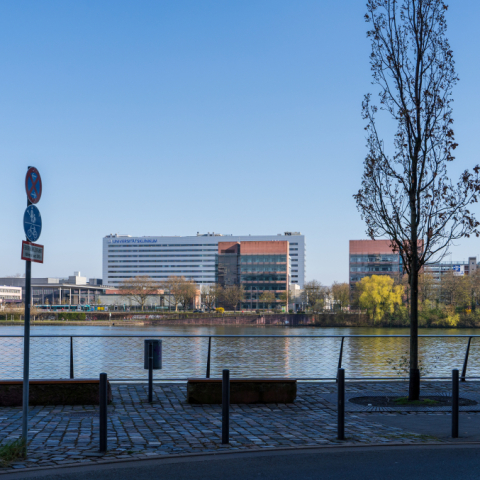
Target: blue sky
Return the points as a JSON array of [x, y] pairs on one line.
[[172, 117]]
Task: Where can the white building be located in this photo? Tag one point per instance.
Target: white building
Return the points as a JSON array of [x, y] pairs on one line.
[[192, 257], [10, 294]]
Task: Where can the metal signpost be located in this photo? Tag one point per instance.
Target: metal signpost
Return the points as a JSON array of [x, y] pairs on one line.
[[32, 224]]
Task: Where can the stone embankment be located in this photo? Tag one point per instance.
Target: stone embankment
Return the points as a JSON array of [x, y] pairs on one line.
[[141, 319]]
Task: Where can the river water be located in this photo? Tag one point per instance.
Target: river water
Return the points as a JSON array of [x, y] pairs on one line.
[[295, 352]]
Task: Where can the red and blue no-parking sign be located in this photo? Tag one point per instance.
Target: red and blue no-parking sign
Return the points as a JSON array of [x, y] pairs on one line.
[[33, 185]]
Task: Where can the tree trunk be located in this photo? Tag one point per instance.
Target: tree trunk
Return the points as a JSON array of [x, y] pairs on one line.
[[414, 386]]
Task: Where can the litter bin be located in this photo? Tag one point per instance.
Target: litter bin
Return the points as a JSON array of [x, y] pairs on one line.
[[157, 354]]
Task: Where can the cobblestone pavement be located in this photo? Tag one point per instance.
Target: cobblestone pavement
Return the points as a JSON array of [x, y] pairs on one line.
[[69, 434]]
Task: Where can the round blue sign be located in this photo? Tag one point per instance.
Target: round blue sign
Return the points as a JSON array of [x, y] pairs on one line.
[[32, 223]]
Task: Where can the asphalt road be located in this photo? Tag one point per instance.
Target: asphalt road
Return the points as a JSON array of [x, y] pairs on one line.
[[384, 463]]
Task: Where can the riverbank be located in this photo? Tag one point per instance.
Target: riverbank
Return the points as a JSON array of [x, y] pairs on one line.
[[324, 320]]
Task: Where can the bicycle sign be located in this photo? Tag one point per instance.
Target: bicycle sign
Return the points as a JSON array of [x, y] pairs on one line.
[[32, 223], [33, 185]]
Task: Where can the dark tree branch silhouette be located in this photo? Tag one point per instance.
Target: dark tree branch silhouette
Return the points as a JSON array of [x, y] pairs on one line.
[[406, 194]]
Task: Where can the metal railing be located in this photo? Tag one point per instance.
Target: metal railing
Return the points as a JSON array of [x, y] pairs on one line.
[[304, 357]]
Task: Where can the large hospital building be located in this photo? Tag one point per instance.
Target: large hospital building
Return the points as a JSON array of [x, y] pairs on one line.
[[192, 257]]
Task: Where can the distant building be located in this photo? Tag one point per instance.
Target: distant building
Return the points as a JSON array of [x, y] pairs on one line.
[[192, 257], [258, 266], [115, 299], [9, 294], [373, 257], [462, 268], [54, 291]]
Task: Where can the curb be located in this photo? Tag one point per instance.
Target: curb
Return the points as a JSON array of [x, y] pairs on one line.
[[235, 452]]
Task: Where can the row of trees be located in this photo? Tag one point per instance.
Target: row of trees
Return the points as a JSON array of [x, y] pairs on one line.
[[182, 291], [381, 296], [139, 288], [316, 296]]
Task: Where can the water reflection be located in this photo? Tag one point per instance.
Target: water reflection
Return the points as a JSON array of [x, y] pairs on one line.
[[305, 357]]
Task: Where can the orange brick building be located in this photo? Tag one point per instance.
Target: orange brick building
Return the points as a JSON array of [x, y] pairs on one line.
[[258, 266], [373, 257]]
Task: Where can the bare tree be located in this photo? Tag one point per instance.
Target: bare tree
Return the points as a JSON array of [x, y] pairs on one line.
[[474, 280], [313, 292], [427, 287], [139, 288], [188, 293], [267, 298], [180, 289], [455, 289], [406, 194], [286, 298], [232, 295], [341, 294], [210, 295]]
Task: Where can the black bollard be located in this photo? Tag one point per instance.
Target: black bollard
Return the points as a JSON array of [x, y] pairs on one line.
[[103, 412], [226, 406], [341, 404], [150, 372], [455, 403]]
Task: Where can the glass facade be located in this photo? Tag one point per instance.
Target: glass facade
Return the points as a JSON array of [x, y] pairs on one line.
[[374, 264], [257, 274], [263, 273]]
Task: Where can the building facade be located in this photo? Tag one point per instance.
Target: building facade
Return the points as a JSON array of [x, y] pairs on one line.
[[74, 290], [462, 268], [9, 294], [373, 257], [257, 266], [193, 257]]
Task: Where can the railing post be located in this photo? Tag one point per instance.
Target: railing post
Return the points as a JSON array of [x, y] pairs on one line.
[[208, 357], [340, 357], [150, 372], [465, 362], [341, 404], [71, 358], [103, 412], [455, 403], [226, 407]]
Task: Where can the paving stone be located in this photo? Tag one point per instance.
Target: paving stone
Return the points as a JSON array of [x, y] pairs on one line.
[[169, 425]]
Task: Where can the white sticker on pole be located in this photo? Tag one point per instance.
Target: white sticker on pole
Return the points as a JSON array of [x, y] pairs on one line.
[[32, 252]]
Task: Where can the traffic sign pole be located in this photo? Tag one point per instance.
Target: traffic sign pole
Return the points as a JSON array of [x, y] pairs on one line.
[[26, 348], [32, 224], [26, 351]]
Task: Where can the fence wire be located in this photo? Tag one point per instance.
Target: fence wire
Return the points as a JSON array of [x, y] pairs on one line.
[[300, 357]]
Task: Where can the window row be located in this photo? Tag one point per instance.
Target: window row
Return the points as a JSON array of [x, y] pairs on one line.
[[160, 256], [263, 268], [161, 245], [375, 258], [376, 268], [263, 278], [247, 259]]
